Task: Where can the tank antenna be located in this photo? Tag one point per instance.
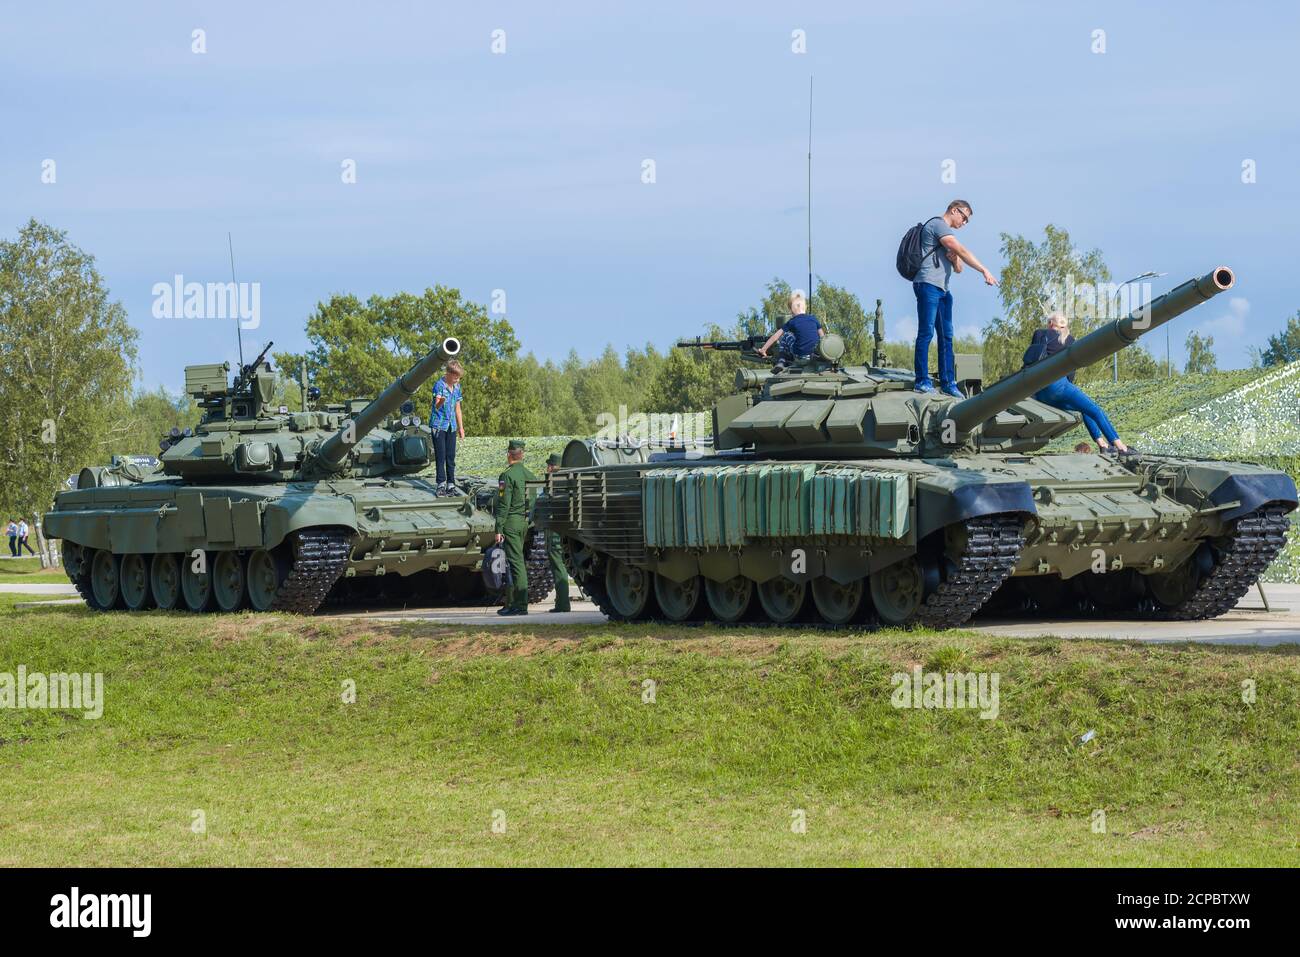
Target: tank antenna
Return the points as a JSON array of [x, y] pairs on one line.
[[239, 330], [810, 268]]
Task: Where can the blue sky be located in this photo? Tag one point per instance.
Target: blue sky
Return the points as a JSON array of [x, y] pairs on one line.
[[522, 171]]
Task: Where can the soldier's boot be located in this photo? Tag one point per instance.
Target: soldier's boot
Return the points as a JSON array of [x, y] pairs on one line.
[[561, 596]]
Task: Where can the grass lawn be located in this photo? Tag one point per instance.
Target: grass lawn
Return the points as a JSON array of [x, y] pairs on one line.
[[18, 570], [544, 729]]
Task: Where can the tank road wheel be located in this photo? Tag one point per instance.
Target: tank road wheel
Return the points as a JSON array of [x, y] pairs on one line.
[[266, 573], [898, 591], [837, 604], [677, 600], [134, 573], [165, 580], [729, 600], [196, 587], [105, 581], [1170, 589], [629, 588], [228, 581], [782, 599]]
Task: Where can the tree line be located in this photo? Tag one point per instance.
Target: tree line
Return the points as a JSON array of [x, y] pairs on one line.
[[68, 356]]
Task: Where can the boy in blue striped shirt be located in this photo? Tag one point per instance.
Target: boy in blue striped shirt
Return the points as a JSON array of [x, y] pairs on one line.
[[447, 425]]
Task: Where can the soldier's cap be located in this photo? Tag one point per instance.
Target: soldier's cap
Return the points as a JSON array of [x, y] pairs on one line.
[[553, 458], [516, 445]]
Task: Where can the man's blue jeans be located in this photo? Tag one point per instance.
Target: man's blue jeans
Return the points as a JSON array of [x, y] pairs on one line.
[[1064, 394], [933, 314]]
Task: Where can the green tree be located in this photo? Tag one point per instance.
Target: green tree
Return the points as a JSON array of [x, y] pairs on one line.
[[599, 387], [1283, 347], [358, 348], [1200, 355], [146, 417], [558, 412], [67, 358], [1037, 278]]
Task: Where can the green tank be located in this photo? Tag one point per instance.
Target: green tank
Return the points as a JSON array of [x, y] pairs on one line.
[[274, 510], [839, 494]]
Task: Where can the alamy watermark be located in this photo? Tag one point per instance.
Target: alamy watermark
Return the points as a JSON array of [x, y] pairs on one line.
[[179, 299], [57, 691], [947, 690], [669, 428], [1098, 300]]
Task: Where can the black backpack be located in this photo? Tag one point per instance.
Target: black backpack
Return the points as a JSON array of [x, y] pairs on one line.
[[910, 253]]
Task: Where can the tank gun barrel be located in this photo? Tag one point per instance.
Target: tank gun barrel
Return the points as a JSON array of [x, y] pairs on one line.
[[1097, 345], [335, 449]]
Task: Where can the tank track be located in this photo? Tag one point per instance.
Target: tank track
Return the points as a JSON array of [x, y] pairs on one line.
[[541, 582], [319, 557], [81, 582], [1255, 541], [993, 546], [595, 588]]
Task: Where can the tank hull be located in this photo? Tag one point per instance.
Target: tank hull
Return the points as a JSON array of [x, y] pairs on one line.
[[373, 531], [907, 541]]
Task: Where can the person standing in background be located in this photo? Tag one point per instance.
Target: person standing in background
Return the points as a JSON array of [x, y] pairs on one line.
[[12, 531], [22, 538], [446, 426]]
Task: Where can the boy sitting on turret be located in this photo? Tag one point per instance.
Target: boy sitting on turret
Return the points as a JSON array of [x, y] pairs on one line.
[[803, 329]]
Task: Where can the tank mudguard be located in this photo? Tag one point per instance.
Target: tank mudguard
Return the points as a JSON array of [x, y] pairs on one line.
[[951, 496], [1249, 486], [291, 513]]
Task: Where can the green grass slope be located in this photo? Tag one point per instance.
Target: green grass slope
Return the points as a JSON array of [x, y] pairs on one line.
[[534, 745]]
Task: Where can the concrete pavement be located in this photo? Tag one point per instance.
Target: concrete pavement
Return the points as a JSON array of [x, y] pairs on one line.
[[1247, 624]]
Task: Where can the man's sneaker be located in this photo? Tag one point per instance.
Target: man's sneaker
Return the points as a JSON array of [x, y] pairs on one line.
[[557, 608], [952, 390], [924, 386], [511, 611]]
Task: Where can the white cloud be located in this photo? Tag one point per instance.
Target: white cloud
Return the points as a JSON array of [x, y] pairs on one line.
[[1232, 323]]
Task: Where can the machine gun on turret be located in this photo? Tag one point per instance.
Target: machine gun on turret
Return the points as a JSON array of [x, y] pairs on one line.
[[247, 372], [748, 348]]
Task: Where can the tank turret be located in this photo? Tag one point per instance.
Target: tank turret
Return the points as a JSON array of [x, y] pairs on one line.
[[242, 436], [332, 452], [822, 408]]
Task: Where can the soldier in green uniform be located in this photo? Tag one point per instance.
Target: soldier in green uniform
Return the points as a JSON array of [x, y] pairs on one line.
[[555, 553], [512, 524]]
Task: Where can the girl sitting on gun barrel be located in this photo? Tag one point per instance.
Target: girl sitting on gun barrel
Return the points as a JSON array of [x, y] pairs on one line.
[[1063, 393]]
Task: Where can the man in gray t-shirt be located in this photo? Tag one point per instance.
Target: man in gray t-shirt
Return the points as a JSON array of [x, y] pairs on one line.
[[941, 254]]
